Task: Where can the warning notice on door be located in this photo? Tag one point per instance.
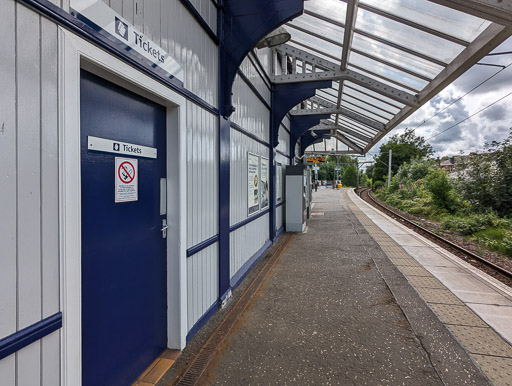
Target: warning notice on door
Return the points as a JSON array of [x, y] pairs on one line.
[[126, 179]]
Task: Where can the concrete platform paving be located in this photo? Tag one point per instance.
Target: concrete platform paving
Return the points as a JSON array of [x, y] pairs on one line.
[[336, 310], [475, 307]]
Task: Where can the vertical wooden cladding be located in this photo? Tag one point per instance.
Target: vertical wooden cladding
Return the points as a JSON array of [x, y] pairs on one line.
[[250, 114], [252, 73], [207, 10], [29, 194], [284, 141], [244, 242], [202, 175], [170, 25], [202, 283]]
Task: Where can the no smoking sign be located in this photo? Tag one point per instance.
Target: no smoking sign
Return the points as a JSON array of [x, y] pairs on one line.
[[126, 180]]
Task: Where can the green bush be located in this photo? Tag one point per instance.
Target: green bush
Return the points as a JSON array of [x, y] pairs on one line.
[[471, 224], [377, 185], [441, 190]]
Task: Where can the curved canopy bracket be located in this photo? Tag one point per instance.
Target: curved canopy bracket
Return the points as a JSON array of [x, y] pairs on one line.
[[245, 23], [287, 95]]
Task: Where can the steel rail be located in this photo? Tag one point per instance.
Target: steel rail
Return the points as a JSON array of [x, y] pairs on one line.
[[460, 249]]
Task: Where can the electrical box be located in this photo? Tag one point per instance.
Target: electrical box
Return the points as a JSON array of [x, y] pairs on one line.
[[298, 197]]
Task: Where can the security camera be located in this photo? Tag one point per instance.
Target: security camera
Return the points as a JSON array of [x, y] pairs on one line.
[[313, 134]]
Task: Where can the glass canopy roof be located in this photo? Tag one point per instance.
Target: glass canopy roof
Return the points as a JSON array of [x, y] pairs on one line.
[[385, 59]]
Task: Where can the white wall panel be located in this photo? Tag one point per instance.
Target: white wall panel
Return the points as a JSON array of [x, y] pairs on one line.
[[29, 274], [29, 168], [255, 77], [28, 366], [286, 122], [202, 283], [279, 217], [170, 24], [202, 175], [283, 161], [265, 57], [49, 170], [250, 113], [246, 241], [50, 360], [240, 145], [8, 198], [8, 370], [207, 10], [284, 141]]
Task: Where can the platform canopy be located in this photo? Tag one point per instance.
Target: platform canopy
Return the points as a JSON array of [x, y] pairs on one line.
[[385, 58]]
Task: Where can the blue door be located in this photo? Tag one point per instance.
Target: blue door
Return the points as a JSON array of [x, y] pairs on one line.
[[124, 301]]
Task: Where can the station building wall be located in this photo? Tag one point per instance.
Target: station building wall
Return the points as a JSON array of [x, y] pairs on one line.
[[30, 154]]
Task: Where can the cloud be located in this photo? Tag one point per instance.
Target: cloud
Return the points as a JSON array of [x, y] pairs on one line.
[[492, 124]]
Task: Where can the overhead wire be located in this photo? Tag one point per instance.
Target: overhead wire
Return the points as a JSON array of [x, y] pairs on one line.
[[472, 115], [458, 99]]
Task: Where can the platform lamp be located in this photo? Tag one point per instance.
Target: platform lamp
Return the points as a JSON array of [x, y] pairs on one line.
[[275, 38]]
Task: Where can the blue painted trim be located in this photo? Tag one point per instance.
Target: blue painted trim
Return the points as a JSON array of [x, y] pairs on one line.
[[253, 88], [246, 268], [202, 245], [280, 204], [284, 155], [248, 134], [244, 24], [202, 321], [248, 220], [206, 27], [280, 231], [30, 334], [73, 24], [224, 161], [215, 4]]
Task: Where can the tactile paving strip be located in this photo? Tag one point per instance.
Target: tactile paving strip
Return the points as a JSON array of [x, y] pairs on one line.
[[458, 315], [500, 369], [425, 282], [483, 341], [414, 271], [488, 349]]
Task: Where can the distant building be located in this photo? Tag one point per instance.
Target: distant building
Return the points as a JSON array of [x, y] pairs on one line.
[[448, 165]]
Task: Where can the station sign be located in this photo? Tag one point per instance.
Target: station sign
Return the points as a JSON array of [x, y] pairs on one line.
[[118, 147], [315, 159], [106, 21]]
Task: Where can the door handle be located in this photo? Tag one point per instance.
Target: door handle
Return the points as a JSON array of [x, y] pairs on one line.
[[164, 228]]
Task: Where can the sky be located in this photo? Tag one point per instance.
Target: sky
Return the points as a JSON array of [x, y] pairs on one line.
[[492, 124]]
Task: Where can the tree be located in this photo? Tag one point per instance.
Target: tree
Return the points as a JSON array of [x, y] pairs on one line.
[[327, 169], [485, 180], [441, 189], [369, 171], [405, 147], [349, 177]]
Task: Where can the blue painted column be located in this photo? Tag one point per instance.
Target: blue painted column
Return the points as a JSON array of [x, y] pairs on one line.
[[224, 163], [272, 162], [241, 24]]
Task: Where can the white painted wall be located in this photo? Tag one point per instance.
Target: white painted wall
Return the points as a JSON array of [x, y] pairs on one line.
[[202, 286], [181, 36], [29, 238]]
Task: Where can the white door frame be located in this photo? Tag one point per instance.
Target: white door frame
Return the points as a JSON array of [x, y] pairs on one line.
[[74, 54]]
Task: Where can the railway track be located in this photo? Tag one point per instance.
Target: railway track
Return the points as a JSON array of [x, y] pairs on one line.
[[494, 270]]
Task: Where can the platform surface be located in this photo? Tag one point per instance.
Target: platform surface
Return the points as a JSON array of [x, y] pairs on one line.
[[338, 309], [475, 307]]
